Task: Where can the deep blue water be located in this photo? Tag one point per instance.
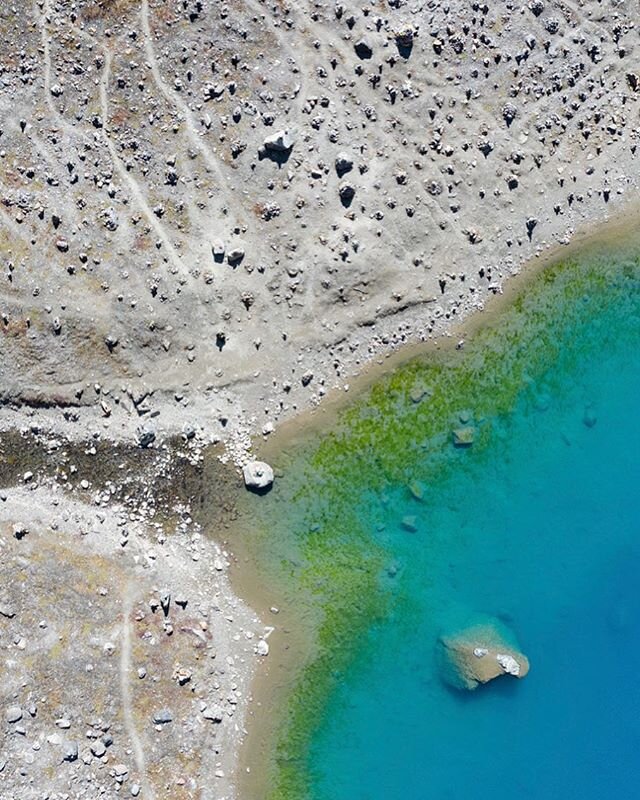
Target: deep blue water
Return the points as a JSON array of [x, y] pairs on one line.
[[541, 531]]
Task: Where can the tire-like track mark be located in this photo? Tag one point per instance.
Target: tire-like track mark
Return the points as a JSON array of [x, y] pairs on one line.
[[174, 99], [126, 176], [125, 692], [43, 17]]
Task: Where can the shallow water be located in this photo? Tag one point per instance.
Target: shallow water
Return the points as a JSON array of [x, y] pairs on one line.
[[535, 524]]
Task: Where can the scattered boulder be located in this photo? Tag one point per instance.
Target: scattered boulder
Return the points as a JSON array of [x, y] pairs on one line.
[[111, 340], [404, 36], [347, 192], [235, 255], [280, 141], [363, 49], [213, 713], [146, 437], [162, 717], [98, 749], [257, 475], [344, 163], [218, 250], [13, 714], [262, 648], [7, 610], [70, 751], [165, 602], [509, 113]]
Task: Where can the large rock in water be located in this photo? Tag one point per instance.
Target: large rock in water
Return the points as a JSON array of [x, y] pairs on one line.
[[257, 475], [480, 653]]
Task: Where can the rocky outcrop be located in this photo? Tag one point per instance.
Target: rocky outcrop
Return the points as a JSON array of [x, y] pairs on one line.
[[480, 653]]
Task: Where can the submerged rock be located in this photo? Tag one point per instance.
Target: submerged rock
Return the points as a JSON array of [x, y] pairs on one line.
[[463, 437], [589, 419], [410, 523], [479, 654], [418, 392]]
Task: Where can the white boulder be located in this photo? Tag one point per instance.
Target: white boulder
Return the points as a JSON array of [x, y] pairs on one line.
[[257, 475], [281, 141]]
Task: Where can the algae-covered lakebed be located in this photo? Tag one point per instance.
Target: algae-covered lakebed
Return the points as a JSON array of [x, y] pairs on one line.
[[497, 481]]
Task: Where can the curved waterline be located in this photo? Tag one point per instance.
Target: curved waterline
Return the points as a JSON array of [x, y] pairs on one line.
[[323, 536]]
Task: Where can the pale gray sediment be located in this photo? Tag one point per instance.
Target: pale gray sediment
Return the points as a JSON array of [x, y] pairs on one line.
[[127, 652], [473, 137]]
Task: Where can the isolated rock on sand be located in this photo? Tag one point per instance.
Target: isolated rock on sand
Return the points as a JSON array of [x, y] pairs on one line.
[[404, 36], [218, 250], [344, 163], [257, 475], [479, 654], [281, 141]]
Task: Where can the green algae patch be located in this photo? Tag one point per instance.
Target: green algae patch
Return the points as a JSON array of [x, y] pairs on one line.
[[313, 534]]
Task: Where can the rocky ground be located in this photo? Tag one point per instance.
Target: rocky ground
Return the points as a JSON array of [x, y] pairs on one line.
[[126, 659], [212, 213]]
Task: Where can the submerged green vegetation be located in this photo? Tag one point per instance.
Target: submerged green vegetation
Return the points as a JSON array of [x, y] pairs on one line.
[[413, 427]]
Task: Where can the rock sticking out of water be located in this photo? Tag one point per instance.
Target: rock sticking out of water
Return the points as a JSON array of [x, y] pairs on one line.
[[479, 654], [257, 475]]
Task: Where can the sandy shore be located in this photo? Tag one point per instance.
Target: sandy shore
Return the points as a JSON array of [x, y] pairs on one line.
[[172, 266]]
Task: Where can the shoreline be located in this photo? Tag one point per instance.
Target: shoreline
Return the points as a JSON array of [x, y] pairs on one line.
[[292, 642], [243, 432], [271, 682], [602, 235]]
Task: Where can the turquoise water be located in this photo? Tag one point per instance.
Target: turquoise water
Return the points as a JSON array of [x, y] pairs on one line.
[[542, 532], [536, 524]]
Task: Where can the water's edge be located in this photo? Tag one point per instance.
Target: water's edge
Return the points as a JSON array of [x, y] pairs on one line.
[[295, 644]]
